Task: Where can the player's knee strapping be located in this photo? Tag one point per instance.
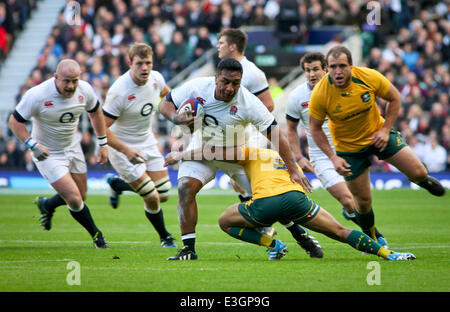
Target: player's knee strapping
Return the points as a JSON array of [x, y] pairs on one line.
[[163, 185], [146, 188]]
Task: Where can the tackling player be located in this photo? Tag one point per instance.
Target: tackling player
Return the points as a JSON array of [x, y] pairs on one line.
[[232, 44], [228, 110], [276, 198], [55, 106]]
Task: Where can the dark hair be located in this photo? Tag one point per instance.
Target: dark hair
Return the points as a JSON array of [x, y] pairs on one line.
[[312, 57], [338, 50], [235, 36], [229, 64]]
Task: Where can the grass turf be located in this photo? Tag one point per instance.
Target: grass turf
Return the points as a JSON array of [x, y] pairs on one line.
[[35, 260]]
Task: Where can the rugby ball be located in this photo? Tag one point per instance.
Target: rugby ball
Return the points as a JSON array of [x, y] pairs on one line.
[[194, 105]]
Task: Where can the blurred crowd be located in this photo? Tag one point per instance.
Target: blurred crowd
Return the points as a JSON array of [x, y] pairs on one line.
[[13, 16], [409, 45]]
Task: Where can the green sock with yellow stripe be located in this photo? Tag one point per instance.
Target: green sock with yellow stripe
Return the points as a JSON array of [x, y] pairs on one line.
[[363, 242], [251, 236]]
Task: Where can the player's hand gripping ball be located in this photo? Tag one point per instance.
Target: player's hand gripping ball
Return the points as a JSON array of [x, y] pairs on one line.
[[194, 105]]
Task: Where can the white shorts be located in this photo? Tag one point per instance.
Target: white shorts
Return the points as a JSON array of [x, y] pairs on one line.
[[205, 171], [59, 163], [130, 172], [324, 170]]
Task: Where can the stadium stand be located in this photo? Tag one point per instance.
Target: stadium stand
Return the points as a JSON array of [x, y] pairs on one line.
[[410, 46]]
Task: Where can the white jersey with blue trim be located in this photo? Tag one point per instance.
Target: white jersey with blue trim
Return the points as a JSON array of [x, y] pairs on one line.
[[297, 109], [224, 122], [132, 106], [253, 78], [55, 118]]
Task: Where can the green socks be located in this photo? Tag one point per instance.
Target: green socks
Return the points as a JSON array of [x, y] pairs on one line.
[[362, 242], [251, 236], [367, 222]]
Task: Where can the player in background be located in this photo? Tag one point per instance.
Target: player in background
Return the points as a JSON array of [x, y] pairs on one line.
[[228, 110], [133, 149], [54, 107], [314, 66], [276, 198], [347, 96], [232, 44]]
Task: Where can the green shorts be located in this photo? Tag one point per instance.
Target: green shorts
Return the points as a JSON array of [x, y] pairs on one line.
[[290, 206], [360, 161]]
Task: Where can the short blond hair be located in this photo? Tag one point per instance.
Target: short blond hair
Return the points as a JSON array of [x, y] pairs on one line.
[[140, 49]]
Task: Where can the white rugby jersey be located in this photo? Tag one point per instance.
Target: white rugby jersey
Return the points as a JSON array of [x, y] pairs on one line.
[[253, 78], [132, 106], [224, 122], [297, 110], [55, 118]]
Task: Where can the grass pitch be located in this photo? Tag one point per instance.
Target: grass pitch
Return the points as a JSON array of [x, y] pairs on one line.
[[34, 260]]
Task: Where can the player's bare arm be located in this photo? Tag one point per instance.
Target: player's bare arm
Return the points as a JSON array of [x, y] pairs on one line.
[[315, 127], [21, 132], [294, 143], [98, 123], [167, 108], [164, 91], [133, 155], [381, 137], [206, 152], [277, 139], [267, 99]]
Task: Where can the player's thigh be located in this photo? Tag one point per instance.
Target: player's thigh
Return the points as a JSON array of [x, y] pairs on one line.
[[326, 224], [232, 217], [360, 188], [236, 172], [127, 171], [203, 171], [324, 170], [408, 163], [54, 167]]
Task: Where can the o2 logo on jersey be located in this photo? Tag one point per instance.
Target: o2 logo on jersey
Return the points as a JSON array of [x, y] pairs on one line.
[[147, 109], [67, 118]]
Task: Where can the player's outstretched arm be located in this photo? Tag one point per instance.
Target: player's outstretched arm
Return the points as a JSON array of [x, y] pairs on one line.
[[294, 143], [21, 132], [98, 123], [133, 155], [230, 154], [280, 143], [315, 127], [168, 110], [394, 99]]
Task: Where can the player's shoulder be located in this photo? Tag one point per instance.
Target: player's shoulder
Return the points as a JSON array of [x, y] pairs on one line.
[[300, 90], [248, 65], [200, 84], [42, 90], [364, 72], [366, 76], [156, 75], [84, 85]]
